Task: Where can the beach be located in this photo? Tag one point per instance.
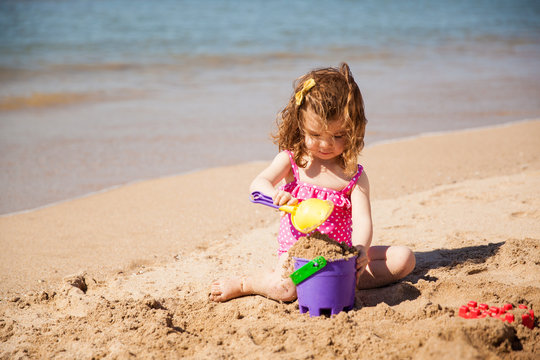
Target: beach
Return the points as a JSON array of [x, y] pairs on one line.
[[125, 273], [99, 94], [130, 133]]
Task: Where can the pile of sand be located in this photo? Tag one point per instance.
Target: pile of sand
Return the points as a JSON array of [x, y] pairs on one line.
[[317, 244]]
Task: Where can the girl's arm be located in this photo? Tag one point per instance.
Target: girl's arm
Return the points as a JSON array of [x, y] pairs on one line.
[[267, 180], [362, 223]]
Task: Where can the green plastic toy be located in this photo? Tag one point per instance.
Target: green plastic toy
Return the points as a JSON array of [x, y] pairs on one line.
[[307, 270]]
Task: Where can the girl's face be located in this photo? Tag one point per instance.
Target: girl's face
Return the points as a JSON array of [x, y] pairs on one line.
[[323, 143]]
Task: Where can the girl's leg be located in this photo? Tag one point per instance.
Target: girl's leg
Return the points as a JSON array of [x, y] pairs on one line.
[[271, 284], [387, 264]]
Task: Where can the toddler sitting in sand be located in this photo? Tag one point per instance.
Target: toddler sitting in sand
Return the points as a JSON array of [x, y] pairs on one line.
[[320, 136]]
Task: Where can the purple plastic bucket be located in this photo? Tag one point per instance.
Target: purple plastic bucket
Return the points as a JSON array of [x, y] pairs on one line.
[[330, 290]]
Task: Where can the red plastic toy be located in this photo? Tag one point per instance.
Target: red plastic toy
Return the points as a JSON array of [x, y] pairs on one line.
[[474, 311]]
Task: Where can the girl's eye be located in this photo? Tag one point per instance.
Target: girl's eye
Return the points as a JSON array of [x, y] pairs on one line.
[[338, 137]]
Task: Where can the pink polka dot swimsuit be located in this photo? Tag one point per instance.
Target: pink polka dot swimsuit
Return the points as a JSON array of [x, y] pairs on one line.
[[338, 226]]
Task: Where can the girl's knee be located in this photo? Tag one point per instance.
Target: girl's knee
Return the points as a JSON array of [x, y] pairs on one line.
[[404, 260]]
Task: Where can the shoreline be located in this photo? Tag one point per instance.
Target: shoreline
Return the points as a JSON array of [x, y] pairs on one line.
[[375, 144], [81, 148]]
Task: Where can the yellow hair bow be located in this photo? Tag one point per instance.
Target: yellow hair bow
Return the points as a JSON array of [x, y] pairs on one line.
[[299, 96]]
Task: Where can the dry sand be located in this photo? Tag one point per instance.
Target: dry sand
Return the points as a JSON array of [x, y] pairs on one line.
[[125, 273]]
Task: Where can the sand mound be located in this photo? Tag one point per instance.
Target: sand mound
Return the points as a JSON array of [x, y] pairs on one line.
[[317, 244]]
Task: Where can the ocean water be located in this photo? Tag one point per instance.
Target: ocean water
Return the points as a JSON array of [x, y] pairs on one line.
[[99, 93], [42, 33]]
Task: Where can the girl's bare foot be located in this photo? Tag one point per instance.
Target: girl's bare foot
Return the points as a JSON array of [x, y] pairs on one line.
[[270, 285], [227, 289]]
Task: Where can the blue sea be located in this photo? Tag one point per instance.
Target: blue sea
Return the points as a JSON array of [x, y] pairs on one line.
[[44, 33], [99, 93]]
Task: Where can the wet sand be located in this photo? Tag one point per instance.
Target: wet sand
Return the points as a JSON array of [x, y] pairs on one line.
[[123, 125]]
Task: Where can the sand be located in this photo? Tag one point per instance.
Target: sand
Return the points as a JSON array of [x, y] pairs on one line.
[[126, 273], [317, 244]]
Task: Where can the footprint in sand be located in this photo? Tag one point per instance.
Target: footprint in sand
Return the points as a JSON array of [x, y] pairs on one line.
[[525, 214]]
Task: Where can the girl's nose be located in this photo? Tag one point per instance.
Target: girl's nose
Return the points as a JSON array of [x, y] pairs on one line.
[[326, 141]]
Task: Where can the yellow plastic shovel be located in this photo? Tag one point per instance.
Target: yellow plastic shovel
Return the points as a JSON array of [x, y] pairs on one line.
[[306, 216]]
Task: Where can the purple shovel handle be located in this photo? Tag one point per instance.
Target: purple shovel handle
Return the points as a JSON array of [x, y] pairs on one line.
[[259, 198]]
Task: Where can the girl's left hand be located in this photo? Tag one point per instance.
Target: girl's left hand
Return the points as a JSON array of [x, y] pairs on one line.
[[361, 261]]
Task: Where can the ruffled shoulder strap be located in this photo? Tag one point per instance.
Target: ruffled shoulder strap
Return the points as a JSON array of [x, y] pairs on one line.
[[293, 165], [353, 180]]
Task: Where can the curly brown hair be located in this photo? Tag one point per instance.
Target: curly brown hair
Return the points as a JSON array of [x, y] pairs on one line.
[[334, 96]]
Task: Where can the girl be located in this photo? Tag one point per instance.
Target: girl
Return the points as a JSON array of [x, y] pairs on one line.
[[320, 136]]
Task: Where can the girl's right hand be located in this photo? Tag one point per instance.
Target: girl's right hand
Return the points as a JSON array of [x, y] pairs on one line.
[[361, 261], [282, 197]]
